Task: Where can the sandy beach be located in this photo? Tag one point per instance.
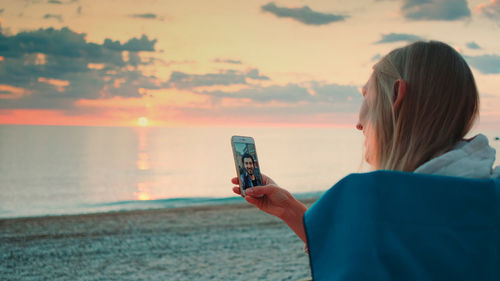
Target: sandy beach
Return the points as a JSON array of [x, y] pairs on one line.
[[224, 242]]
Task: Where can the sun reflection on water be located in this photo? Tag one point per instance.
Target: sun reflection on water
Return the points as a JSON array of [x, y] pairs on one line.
[[144, 192], [142, 154], [143, 164], [143, 161]]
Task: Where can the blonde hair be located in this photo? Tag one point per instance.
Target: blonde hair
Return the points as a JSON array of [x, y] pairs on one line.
[[438, 109]]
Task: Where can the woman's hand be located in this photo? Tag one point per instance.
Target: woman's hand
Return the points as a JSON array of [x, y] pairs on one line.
[[276, 201], [270, 198]]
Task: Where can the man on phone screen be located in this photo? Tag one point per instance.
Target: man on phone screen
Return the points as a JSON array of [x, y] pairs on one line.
[[248, 177]]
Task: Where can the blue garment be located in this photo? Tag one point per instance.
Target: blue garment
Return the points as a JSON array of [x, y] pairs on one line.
[[405, 226]]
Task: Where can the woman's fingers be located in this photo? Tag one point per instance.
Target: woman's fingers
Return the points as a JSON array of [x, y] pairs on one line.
[[235, 180], [266, 180], [257, 191], [236, 189]]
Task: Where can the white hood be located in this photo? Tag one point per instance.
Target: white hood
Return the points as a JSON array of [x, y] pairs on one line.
[[469, 159]]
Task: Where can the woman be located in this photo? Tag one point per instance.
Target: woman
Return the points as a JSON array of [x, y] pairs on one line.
[[419, 103]]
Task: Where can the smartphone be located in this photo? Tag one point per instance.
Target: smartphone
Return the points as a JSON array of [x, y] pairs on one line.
[[246, 162]]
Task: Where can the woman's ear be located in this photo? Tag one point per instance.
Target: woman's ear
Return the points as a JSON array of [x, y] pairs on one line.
[[399, 93]]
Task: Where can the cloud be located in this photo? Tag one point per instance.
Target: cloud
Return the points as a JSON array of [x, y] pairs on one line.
[[57, 2], [486, 64], [337, 94], [398, 37], [306, 103], [133, 45], [174, 62], [32, 2], [61, 44], [11, 92], [376, 57], [304, 15], [473, 45], [183, 80], [328, 97], [53, 16], [130, 83], [446, 10], [490, 10], [289, 93], [59, 67], [144, 16], [254, 74], [227, 61]]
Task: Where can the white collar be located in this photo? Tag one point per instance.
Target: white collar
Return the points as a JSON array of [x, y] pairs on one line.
[[471, 159]]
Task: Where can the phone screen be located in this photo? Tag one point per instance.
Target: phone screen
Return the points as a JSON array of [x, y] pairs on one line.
[[246, 161]]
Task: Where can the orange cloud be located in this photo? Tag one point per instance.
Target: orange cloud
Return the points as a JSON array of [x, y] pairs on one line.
[[11, 92], [225, 88], [58, 84], [491, 9], [481, 7], [97, 66], [150, 98], [118, 82], [40, 59]]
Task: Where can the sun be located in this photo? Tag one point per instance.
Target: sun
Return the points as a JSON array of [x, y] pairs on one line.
[[143, 196], [143, 121]]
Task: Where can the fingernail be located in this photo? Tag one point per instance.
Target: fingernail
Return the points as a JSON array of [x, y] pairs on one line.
[[249, 190]]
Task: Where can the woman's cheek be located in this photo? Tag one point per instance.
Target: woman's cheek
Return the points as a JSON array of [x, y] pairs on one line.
[[363, 112], [370, 147]]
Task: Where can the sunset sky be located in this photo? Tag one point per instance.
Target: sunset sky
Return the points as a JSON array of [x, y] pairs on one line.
[[224, 62]]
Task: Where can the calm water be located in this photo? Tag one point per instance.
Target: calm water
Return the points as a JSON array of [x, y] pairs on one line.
[[66, 170]]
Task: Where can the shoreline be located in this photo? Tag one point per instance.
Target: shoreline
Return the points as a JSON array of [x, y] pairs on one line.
[[216, 242]]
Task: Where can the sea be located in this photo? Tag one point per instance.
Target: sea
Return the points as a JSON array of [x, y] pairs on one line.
[[61, 170]]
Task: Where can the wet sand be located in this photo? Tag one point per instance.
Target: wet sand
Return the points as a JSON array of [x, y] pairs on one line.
[[225, 242]]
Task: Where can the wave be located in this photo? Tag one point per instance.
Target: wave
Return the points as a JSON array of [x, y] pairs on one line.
[[130, 205], [183, 202], [167, 203]]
